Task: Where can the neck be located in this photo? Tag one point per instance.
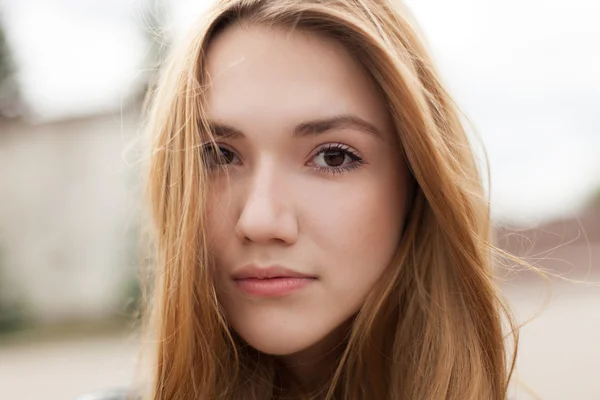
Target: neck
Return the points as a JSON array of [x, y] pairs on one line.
[[314, 366]]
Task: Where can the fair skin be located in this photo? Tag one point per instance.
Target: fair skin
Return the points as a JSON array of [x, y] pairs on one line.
[[311, 180]]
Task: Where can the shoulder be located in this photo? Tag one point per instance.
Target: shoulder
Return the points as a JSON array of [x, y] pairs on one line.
[[115, 394]]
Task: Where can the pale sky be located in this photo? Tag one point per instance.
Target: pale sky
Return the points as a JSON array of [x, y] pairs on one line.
[[527, 72]]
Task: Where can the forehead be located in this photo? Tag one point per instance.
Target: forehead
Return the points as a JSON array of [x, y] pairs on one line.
[[259, 74]]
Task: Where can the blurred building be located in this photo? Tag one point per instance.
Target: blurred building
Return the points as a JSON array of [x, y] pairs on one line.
[[568, 247], [68, 216], [70, 188]]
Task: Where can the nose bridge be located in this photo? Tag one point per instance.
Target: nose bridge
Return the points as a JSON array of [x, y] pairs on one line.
[[262, 190], [267, 211]]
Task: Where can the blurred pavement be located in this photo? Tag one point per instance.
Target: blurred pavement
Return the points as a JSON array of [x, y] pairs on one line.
[[66, 369]]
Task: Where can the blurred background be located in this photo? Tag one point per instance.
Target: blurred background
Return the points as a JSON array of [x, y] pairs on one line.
[[73, 74]]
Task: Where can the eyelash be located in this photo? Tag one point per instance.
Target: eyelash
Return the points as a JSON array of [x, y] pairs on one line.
[[356, 159]]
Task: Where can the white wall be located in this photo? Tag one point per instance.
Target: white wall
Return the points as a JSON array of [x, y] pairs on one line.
[[67, 214]]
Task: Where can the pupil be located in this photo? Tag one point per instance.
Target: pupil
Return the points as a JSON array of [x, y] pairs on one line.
[[334, 158], [226, 156], [216, 155]]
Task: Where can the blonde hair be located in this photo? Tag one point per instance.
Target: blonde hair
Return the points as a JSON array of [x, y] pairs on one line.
[[432, 326]]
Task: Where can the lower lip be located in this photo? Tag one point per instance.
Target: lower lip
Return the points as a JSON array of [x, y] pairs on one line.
[[272, 287]]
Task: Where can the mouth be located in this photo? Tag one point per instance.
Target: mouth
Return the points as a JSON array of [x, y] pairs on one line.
[[275, 272], [273, 287], [272, 281]]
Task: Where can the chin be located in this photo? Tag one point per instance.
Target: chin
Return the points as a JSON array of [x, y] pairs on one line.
[[277, 349], [279, 346], [278, 343]]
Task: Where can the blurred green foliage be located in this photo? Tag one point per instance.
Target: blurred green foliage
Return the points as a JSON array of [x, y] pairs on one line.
[[6, 63], [10, 103], [13, 313]]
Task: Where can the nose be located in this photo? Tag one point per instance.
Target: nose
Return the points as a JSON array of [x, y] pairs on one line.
[[267, 214]]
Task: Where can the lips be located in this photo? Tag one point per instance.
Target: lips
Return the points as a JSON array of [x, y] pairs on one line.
[[254, 272], [271, 282]]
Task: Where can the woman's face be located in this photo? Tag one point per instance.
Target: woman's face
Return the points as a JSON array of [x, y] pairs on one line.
[[308, 194]]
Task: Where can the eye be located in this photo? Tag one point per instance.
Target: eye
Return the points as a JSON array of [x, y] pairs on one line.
[[218, 155], [336, 158]]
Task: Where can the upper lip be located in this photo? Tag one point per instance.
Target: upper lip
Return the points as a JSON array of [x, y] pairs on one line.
[[268, 272]]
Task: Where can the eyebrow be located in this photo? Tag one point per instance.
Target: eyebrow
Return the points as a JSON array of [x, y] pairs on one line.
[[308, 128]]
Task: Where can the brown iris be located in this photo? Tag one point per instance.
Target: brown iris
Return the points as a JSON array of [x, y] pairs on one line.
[[334, 158], [215, 155]]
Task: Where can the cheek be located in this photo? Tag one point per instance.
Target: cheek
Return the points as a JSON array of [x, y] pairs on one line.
[[357, 231], [219, 222]]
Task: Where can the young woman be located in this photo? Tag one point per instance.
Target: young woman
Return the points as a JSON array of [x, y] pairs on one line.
[[320, 222]]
